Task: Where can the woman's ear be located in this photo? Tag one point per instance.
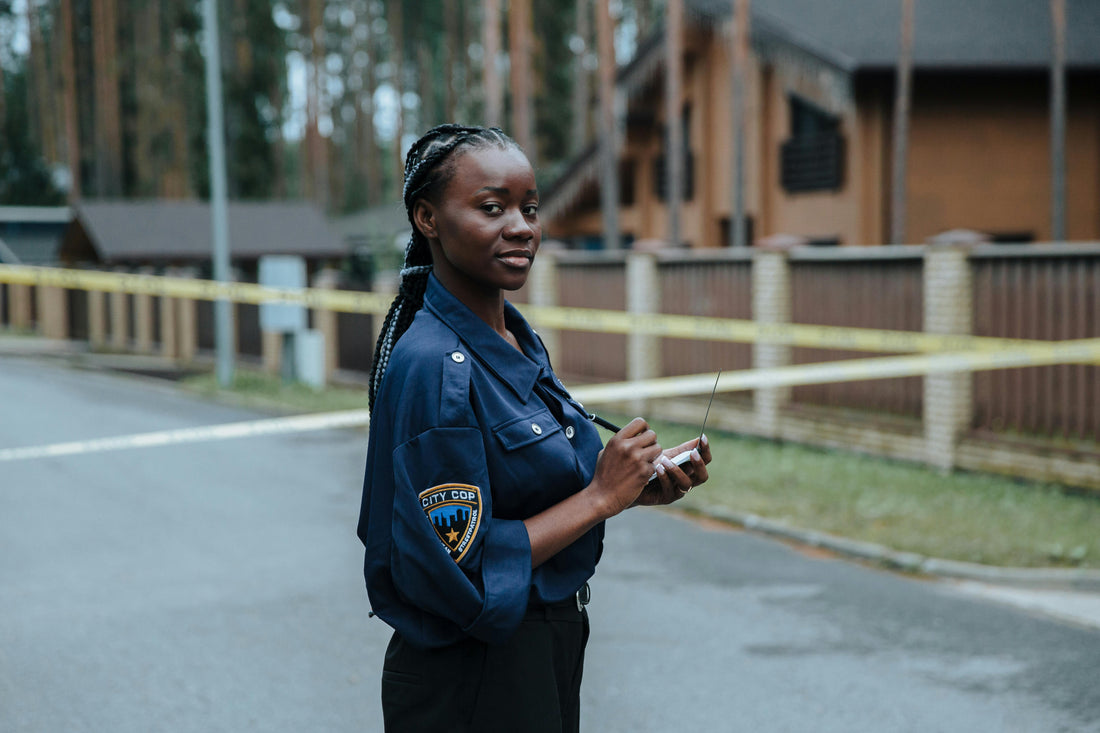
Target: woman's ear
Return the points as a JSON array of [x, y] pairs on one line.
[[424, 218]]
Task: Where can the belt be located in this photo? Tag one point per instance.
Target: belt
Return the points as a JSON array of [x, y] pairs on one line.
[[566, 609]]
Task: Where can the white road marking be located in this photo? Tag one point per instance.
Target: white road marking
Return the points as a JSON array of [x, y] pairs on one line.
[[247, 429]]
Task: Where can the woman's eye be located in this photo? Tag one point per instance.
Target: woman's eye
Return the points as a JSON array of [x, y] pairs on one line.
[[531, 210], [492, 208]]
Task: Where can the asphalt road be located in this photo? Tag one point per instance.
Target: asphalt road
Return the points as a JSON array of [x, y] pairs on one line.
[[216, 587]]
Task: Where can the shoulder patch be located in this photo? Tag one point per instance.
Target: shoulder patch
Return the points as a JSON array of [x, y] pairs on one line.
[[455, 513]]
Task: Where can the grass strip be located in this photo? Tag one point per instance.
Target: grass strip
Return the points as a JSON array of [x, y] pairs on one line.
[[973, 517]]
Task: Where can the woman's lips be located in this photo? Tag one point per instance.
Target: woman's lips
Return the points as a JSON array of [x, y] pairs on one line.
[[516, 258]]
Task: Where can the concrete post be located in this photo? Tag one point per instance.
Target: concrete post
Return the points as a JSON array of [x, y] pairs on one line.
[[771, 303], [19, 305], [543, 286], [169, 333], [53, 320], [143, 318], [643, 297], [120, 318], [326, 322], [97, 319], [187, 322], [948, 309]]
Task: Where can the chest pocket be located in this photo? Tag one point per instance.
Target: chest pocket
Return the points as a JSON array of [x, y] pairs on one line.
[[523, 431]]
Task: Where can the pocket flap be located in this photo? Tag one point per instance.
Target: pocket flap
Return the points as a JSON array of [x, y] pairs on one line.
[[526, 430]]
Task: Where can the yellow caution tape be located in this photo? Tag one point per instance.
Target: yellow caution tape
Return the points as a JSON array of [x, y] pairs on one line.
[[1061, 352], [181, 287], [576, 319]]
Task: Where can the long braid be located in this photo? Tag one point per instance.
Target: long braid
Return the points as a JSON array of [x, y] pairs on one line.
[[429, 165]]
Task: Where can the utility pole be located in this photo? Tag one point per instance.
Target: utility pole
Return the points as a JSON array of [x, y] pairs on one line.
[[740, 55], [215, 140], [902, 96], [609, 164], [1058, 123], [674, 144]]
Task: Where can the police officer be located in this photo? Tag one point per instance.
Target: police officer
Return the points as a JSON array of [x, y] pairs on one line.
[[486, 484]]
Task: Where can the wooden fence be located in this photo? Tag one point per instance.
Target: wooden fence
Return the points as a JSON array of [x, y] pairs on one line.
[[1046, 292]]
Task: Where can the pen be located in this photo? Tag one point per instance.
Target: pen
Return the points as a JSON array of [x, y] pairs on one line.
[[603, 423]]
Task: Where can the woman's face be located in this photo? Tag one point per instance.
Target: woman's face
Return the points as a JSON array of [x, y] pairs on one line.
[[484, 230]]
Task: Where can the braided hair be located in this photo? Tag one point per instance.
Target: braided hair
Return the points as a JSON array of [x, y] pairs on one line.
[[429, 166]]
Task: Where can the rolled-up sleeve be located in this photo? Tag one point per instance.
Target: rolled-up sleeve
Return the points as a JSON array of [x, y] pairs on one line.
[[478, 575]]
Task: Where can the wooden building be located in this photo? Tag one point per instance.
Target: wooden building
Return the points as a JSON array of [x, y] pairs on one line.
[[819, 124]]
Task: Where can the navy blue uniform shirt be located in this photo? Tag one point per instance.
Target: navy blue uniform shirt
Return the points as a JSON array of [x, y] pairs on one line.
[[469, 437]]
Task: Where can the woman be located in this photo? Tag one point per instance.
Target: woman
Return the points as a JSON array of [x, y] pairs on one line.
[[486, 484]]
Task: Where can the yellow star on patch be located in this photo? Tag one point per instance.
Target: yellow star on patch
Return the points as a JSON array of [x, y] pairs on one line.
[[452, 536]]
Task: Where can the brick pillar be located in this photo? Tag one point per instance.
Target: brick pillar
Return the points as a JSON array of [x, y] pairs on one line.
[[948, 309], [325, 321], [53, 312], [643, 297], [19, 306], [187, 325], [771, 303], [143, 318], [97, 319], [542, 285]]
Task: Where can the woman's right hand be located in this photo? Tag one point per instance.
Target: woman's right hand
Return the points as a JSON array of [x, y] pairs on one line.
[[624, 466]]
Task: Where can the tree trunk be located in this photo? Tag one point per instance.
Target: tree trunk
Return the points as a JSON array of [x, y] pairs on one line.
[[426, 75], [581, 78], [317, 149], [490, 42], [902, 96], [68, 97], [177, 182], [108, 110], [609, 149], [367, 137], [454, 56], [41, 89], [397, 61], [148, 79], [519, 53]]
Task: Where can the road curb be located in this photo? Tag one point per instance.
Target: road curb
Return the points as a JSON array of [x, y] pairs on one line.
[[1079, 579]]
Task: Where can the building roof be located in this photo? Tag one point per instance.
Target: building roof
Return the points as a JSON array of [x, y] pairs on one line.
[[156, 231], [863, 35]]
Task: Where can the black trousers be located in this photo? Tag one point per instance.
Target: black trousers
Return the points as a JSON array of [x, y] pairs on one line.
[[531, 683]]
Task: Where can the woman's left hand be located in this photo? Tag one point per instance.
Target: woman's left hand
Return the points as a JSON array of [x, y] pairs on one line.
[[673, 482]]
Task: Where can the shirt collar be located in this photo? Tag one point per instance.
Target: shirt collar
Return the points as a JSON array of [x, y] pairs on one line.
[[518, 371]]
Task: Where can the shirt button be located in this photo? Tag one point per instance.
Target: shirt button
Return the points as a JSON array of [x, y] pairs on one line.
[[536, 428], [458, 357], [569, 432]]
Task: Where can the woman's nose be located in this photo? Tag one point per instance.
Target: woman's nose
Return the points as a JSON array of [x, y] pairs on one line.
[[516, 226]]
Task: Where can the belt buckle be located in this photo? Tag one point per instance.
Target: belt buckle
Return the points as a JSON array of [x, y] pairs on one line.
[[583, 596]]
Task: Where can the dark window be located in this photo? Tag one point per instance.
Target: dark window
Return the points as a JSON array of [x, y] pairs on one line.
[[724, 226], [660, 164], [812, 158], [660, 177], [626, 182], [1011, 237]]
